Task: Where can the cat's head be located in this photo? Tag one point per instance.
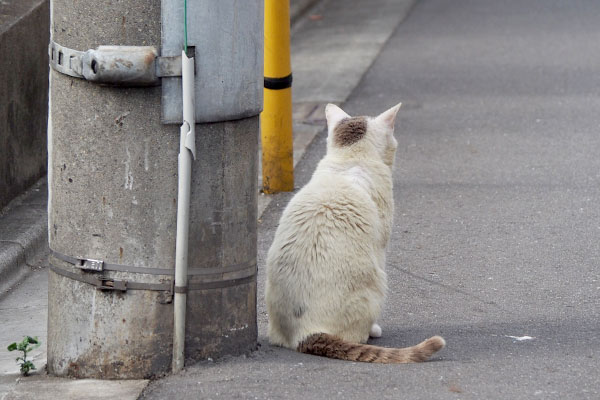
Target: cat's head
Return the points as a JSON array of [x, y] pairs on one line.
[[362, 135]]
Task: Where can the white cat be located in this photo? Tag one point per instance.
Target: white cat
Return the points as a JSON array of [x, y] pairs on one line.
[[326, 279]]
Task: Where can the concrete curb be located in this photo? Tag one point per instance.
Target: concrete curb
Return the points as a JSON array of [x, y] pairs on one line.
[[23, 234], [47, 387]]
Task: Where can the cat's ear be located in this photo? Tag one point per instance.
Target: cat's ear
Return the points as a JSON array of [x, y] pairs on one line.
[[389, 117], [334, 114]]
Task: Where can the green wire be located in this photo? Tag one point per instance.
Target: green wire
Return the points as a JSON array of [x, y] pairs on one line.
[[185, 24]]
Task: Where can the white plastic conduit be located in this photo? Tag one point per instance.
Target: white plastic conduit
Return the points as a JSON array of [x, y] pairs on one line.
[[187, 150]]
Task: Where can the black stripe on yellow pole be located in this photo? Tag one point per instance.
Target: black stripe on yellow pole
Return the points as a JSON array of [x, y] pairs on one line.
[[276, 118]]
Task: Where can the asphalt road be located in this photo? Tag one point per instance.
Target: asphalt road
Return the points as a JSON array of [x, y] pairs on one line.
[[497, 229]]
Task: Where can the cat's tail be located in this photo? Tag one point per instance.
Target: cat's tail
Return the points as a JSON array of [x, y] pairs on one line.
[[326, 345]]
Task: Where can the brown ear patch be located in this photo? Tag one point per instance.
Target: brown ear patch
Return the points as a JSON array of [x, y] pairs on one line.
[[350, 131]]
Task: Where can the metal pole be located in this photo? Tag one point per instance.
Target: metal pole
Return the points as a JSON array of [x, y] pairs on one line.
[[276, 118]]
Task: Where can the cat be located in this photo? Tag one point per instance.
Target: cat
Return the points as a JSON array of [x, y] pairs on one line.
[[326, 279]]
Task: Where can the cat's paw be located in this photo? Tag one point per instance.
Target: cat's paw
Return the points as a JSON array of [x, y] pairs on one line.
[[375, 331]]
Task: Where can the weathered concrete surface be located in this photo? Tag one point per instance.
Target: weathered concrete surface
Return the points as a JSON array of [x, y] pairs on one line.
[[43, 387], [113, 190], [223, 233], [112, 196], [23, 234], [24, 33]]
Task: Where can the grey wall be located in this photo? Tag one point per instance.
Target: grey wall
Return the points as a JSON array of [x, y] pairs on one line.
[[24, 35]]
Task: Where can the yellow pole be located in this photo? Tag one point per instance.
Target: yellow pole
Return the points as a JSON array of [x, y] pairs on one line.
[[276, 118]]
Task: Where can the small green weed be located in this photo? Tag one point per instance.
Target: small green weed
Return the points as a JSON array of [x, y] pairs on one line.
[[27, 345]]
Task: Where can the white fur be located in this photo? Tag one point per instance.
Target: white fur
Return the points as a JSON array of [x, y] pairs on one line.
[[375, 331], [326, 266]]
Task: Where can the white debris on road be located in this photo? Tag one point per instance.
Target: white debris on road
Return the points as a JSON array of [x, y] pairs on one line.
[[520, 338]]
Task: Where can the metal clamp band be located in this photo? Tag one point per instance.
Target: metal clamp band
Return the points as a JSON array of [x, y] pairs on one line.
[[83, 263], [114, 65], [235, 271], [221, 284], [66, 61], [105, 283], [181, 289]]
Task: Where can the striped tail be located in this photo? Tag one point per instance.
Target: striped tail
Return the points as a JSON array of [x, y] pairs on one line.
[[326, 345]]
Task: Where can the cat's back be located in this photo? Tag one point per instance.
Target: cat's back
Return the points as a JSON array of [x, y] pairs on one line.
[[332, 200], [329, 222]]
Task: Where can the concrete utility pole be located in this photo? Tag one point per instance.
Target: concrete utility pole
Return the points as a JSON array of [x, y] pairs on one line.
[[113, 192]]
